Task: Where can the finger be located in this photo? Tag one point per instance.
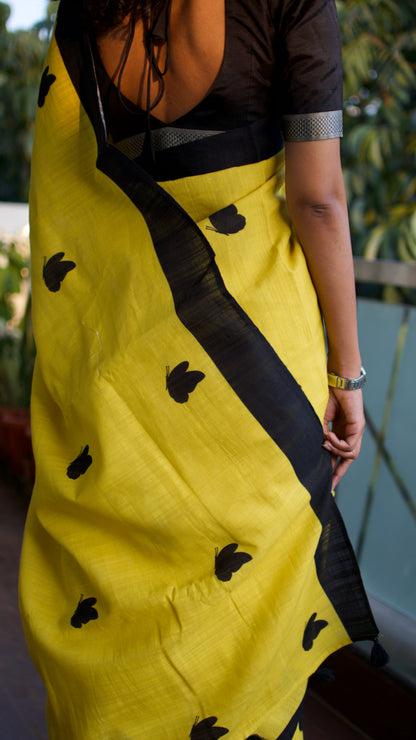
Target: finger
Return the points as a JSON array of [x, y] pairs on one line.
[[337, 443], [339, 471], [338, 447], [333, 437], [345, 453], [349, 447]]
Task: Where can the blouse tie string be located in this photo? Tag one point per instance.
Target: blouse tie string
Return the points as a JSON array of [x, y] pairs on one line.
[[156, 34]]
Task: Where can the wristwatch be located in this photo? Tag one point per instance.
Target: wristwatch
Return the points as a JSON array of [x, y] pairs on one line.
[[347, 384]]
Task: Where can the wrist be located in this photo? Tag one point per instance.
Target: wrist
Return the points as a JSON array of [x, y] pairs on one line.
[[347, 366]]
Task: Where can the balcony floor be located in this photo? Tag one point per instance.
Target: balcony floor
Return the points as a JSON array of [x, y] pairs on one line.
[[22, 698]]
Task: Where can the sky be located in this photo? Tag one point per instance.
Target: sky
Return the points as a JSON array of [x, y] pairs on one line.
[[25, 13]]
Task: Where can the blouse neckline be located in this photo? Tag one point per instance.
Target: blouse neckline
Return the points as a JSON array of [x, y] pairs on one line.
[[110, 87]]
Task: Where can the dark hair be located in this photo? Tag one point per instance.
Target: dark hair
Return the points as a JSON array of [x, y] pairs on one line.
[[101, 15]]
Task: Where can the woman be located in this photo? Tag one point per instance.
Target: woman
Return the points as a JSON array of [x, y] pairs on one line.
[[185, 569]]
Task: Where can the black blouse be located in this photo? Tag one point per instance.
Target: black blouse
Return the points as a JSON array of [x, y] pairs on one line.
[[281, 63]]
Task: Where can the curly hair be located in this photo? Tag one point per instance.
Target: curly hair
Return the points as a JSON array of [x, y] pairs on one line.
[[102, 15]]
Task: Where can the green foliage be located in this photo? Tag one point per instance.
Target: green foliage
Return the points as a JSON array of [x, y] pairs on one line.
[[21, 59], [379, 145], [15, 370], [17, 348], [11, 265]]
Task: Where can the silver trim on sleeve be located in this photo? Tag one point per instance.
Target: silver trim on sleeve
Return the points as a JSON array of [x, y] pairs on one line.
[[312, 126]]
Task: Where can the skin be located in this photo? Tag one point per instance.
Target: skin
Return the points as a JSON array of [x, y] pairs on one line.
[[317, 204], [314, 188], [197, 39]]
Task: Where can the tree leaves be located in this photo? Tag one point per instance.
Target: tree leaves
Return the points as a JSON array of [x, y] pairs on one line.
[[379, 145], [11, 265], [21, 59]]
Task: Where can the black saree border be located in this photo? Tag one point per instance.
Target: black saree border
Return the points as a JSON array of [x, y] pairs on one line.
[[231, 339], [254, 143]]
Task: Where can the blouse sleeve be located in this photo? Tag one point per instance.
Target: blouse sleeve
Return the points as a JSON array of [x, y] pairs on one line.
[[309, 48]]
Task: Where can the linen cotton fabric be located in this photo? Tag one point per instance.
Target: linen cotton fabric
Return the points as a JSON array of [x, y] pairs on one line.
[[185, 568]]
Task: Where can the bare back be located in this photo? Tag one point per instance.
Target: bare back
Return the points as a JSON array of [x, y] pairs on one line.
[[197, 40]]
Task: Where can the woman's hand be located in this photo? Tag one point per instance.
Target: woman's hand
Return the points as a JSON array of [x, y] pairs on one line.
[[318, 208], [345, 411]]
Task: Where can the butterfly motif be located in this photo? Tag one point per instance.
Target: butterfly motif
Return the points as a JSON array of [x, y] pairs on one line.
[[205, 730], [80, 465], [54, 271], [181, 382], [295, 723], [45, 83], [84, 612], [227, 221], [312, 630], [228, 561]]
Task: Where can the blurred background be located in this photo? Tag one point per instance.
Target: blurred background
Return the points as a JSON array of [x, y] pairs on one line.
[[378, 497]]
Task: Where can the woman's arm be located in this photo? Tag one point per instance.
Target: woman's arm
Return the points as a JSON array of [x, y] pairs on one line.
[[317, 205]]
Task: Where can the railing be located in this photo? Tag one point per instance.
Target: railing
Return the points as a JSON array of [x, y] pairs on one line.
[[378, 495]]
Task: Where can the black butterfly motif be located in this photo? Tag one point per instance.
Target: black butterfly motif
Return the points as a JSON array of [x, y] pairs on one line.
[[227, 221], [80, 465], [205, 730], [84, 612], [45, 83], [54, 271], [181, 382], [296, 721], [228, 561], [312, 631]]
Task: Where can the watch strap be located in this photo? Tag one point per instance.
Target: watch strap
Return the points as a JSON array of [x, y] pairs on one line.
[[347, 384]]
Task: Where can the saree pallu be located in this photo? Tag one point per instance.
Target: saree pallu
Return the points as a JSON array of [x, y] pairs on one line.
[[184, 568]]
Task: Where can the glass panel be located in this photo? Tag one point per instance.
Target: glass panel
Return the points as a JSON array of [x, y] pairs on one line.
[[378, 495]]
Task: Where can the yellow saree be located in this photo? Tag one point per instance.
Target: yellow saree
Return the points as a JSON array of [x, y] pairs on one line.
[[184, 569]]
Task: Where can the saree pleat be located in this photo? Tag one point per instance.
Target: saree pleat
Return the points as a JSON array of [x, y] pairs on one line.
[[184, 568]]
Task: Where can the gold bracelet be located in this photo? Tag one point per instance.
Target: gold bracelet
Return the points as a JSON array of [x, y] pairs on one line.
[[347, 384]]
